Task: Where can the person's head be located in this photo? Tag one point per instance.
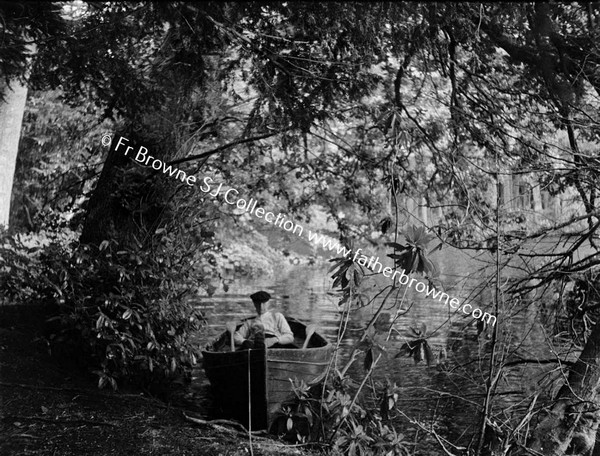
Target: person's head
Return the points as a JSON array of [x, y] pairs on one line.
[[260, 300]]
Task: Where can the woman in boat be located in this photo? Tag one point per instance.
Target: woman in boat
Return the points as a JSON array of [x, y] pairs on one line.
[[272, 326]]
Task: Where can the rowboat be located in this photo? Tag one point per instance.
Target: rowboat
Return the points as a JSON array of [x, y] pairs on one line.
[[266, 374]]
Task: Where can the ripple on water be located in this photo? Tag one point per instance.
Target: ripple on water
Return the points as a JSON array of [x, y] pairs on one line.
[[449, 392]]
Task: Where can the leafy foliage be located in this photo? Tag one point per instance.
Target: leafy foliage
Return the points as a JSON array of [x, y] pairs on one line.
[[22, 24], [312, 417], [419, 348], [412, 257], [306, 72], [60, 157], [372, 347], [347, 276], [295, 421], [347, 273], [389, 397], [123, 311]]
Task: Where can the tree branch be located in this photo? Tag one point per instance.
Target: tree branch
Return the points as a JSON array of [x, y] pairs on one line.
[[216, 150], [538, 361]]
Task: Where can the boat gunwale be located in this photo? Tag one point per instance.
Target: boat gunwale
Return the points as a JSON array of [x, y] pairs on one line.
[[328, 345]]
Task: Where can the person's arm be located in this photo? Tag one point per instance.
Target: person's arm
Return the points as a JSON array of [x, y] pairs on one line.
[[241, 334], [287, 336]]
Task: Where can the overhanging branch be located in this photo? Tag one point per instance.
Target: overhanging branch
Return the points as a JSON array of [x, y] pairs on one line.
[[216, 150]]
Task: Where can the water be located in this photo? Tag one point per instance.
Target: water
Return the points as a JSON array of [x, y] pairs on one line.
[[450, 393]]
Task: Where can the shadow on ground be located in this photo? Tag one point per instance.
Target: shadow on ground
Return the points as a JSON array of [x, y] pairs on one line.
[[50, 410]]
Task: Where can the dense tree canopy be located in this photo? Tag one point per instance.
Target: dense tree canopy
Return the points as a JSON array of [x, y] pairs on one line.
[[423, 89], [350, 109]]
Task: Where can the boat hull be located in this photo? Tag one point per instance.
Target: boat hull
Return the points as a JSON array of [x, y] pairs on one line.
[[272, 372], [228, 374]]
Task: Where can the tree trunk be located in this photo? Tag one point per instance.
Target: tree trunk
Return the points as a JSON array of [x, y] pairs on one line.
[[507, 192], [109, 214], [100, 218], [569, 427], [130, 199], [11, 118], [538, 209]]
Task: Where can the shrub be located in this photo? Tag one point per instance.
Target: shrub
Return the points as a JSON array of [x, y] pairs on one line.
[[317, 414], [124, 311]]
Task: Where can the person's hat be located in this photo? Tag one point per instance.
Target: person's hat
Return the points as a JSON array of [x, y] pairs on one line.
[[260, 296]]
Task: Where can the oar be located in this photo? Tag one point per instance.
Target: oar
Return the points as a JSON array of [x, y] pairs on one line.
[[231, 325], [310, 330]]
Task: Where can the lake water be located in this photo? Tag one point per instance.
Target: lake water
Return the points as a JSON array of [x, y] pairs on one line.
[[447, 394]]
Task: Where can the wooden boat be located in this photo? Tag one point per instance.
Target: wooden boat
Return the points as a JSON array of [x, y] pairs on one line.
[[269, 371]]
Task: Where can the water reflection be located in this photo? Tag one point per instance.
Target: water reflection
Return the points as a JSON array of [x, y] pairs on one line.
[[304, 292], [452, 392]]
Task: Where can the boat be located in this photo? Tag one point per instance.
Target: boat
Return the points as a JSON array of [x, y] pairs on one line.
[[266, 373]]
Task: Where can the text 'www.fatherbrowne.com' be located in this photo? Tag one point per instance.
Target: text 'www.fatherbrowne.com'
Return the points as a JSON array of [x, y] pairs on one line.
[[142, 156], [230, 196]]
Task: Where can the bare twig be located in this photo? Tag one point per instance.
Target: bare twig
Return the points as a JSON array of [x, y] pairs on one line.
[[221, 425], [237, 142], [431, 431], [55, 421]]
